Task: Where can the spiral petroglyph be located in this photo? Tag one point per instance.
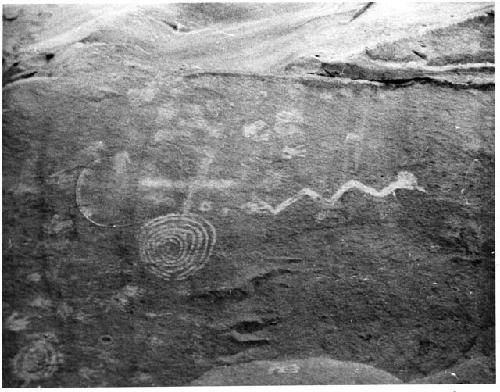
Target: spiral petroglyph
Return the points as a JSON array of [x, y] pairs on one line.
[[176, 246]]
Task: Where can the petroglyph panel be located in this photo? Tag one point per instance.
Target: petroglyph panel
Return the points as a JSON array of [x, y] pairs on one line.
[[223, 151], [216, 204], [165, 214]]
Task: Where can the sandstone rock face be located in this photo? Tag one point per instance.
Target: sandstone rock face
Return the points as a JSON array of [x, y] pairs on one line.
[[311, 371], [190, 185]]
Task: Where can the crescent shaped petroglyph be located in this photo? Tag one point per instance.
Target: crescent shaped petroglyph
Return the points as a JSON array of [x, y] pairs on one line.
[[85, 209]]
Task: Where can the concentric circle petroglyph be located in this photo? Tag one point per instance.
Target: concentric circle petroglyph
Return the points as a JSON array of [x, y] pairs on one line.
[[36, 361], [176, 246]]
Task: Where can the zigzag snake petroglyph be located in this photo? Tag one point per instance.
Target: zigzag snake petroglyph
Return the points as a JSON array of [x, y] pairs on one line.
[[405, 180]]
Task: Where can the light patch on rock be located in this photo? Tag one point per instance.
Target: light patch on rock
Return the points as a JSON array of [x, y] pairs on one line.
[[167, 135], [198, 321], [11, 12], [16, 322], [176, 91], [131, 291], [58, 224], [295, 116], [108, 358], [63, 179], [326, 96], [285, 130], [40, 302], [321, 216], [352, 137], [24, 189], [297, 91], [121, 168], [143, 378], [213, 109], [347, 93], [257, 337], [88, 373], [121, 161], [168, 184], [194, 122], [195, 118], [34, 277], [280, 368], [27, 183], [125, 295], [91, 154], [80, 316], [64, 310], [139, 96], [153, 315], [472, 141], [288, 123], [214, 132], [155, 341], [292, 152], [257, 131], [251, 354], [158, 196], [272, 179], [205, 206], [88, 211], [165, 113]]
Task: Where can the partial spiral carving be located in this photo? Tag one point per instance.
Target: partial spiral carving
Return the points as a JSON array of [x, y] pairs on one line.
[[36, 361], [176, 246]]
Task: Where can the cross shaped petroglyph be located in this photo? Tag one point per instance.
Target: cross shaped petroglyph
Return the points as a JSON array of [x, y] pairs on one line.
[[194, 185]]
